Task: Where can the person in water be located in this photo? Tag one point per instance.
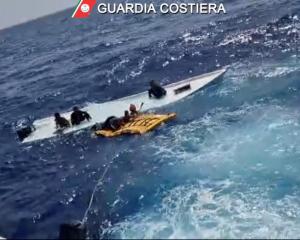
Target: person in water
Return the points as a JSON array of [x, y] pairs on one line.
[[156, 90], [133, 111], [112, 123], [25, 132], [25, 128], [60, 121], [79, 116], [97, 127], [126, 118]]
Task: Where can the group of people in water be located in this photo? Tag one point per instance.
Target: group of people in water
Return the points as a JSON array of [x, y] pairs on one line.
[[111, 123], [77, 117]]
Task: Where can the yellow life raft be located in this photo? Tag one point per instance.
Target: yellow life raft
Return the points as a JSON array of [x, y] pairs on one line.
[[139, 125]]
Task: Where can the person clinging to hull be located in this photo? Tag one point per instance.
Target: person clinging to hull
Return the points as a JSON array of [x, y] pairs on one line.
[[61, 122], [79, 116], [156, 90]]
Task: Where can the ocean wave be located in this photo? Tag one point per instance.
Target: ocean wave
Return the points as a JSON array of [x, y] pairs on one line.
[[202, 210]]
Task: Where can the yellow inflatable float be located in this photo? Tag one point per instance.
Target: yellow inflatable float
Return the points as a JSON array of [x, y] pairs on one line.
[[139, 125]]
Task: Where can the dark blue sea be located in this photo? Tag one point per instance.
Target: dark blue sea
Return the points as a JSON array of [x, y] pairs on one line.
[[227, 167]]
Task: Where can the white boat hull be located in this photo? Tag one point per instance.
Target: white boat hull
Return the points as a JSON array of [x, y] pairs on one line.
[[45, 128]]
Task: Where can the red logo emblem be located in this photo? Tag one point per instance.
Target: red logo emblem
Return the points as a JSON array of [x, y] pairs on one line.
[[84, 8]]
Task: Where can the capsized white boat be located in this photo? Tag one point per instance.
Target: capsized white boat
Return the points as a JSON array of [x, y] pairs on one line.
[[45, 128]]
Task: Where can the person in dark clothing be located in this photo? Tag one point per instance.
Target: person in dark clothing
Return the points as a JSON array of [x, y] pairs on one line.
[[126, 118], [25, 128], [79, 116], [25, 132], [112, 123], [97, 127], [106, 123], [60, 121], [156, 90]]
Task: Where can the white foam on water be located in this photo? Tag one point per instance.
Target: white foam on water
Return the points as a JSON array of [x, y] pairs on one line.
[[241, 38], [214, 210], [245, 76], [249, 36], [196, 39], [237, 194], [139, 69]]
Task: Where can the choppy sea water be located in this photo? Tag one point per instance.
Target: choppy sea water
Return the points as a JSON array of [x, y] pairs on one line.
[[227, 167]]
